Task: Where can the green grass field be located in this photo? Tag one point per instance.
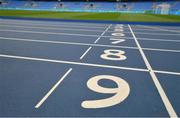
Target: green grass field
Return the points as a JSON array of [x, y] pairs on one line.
[[91, 16]]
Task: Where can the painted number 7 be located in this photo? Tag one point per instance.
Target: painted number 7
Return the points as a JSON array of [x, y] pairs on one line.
[[121, 92]]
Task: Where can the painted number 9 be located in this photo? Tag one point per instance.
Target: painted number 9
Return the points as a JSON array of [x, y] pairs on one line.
[[121, 92]]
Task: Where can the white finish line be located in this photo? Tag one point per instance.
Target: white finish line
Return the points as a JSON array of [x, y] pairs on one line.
[[162, 93]]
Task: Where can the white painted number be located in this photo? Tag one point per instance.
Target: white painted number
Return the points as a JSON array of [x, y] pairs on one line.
[[118, 34], [119, 26], [116, 40], [118, 30], [113, 54], [121, 92]]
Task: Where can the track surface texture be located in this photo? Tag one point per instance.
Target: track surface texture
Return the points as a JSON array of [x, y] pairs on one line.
[[70, 69]]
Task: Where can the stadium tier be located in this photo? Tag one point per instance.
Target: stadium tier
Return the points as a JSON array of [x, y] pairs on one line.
[[168, 7]]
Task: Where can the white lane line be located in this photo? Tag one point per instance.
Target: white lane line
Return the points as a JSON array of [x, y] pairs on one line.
[[71, 62], [86, 30], [153, 39], [160, 40], [102, 34], [57, 25], [168, 30], [95, 42], [162, 50], [53, 33], [86, 64], [167, 72], [85, 52], [86, 44], [166, 27], [150, 30], [51, 28], [69, 43], [52, 89], [142, 29], [52, 23], [163, 34], [152, 33], [162, 93], [36, 32]]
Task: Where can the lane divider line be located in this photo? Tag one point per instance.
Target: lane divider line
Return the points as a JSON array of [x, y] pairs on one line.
[[71, 62], [51, 28], [52, 89], [85, 53], [102, 34], [157, 28], [86, 44], [52, 25], [86, 64]]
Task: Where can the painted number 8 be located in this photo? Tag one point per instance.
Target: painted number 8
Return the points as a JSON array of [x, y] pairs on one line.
[[121, 92], [113, 54]]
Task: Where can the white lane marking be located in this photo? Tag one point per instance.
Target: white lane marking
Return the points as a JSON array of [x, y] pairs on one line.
[[142, 29], [86, 64], [117, 40], [160, 40], [71, 62], [86, 44], [168, 30], [167, 72], [162, 50], [166, 27], [52, 89], [162, 93], [69, 43], [149, 33], [157, 33], [161, 27], [59, 33], [85, 53], [95, 42], [36, 32], [51, 22], [148, 29], [53, 28], [102, 33], [57, 25], [154, 39], [71, 34]]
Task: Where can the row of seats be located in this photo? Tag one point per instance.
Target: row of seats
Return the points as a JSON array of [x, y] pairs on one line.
[[172, 7]]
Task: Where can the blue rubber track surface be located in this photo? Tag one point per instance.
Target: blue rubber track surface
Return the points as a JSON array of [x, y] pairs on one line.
[[46, 68]]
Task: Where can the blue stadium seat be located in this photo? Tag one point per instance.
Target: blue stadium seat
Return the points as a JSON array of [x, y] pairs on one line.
[[129, 7]]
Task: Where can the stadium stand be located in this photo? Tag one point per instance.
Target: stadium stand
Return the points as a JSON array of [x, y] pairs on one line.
[[168, 7]]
